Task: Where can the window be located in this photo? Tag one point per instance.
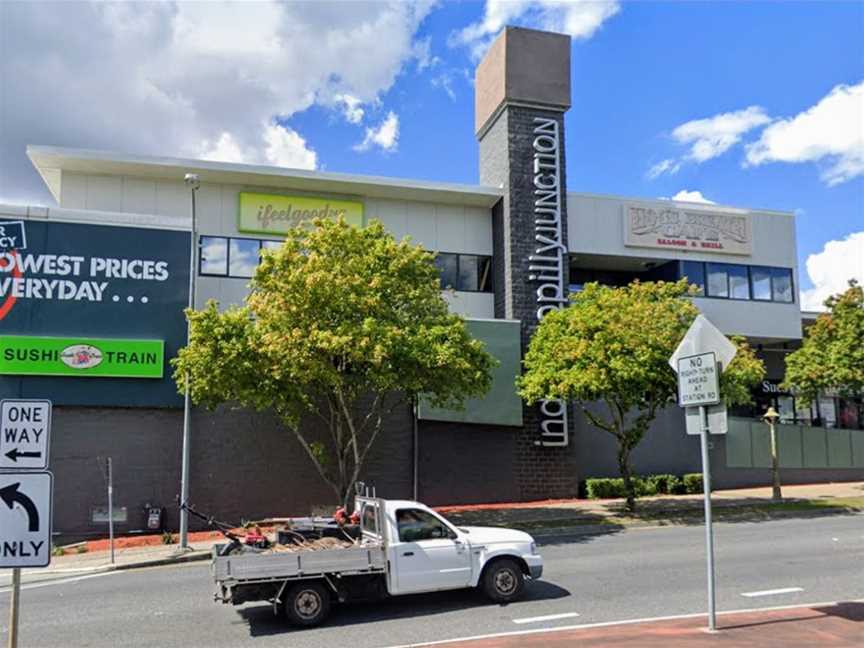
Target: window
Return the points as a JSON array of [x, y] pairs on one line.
[[369, 520], [781, 285], [214, 256], [694, 272], [468, 272], [718, 280], [222, 256], [760, 279], [243, 257], [416, 525], [448, 266], [731, 281], [739, 283]]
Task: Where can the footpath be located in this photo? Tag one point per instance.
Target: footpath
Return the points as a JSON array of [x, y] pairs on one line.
[[549, 517], [829, 625]]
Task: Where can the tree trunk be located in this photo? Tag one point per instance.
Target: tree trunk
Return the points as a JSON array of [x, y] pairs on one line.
[[626, 475]]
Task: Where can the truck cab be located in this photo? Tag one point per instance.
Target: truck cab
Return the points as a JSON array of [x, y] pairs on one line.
[[427, 553]]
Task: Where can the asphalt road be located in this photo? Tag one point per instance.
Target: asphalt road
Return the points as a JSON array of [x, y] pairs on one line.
[[622, 575]]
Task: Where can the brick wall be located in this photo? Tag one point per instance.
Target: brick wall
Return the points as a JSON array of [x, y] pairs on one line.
[[506, 159]]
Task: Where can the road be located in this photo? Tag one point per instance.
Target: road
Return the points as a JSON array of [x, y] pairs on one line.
[[621, 575]]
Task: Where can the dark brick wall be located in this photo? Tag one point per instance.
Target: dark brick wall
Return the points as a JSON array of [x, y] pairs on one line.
[[466, 464], [506, 159], [244, 464]]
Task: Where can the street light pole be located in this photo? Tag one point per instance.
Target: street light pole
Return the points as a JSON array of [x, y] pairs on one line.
[[770, 418], [193, 182]]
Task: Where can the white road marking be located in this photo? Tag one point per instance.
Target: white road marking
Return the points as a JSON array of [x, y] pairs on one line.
[[548, 617], [59, 581], [604, 624], [782, 590]]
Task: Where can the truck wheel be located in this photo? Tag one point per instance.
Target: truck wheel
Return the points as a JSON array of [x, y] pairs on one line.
[[503, 581], [307, 604]]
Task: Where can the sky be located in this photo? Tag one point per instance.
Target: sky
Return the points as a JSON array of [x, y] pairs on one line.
[[756, 104]]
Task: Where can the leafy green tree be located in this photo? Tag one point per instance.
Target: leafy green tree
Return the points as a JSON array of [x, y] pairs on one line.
[[341, 323], [612, 345], [832, 354]]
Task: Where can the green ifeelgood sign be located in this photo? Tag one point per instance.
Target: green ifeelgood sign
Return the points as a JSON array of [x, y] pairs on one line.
[[82, 357]]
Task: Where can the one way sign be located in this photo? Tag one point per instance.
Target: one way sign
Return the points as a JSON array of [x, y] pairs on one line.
[[25, 425], [25, 519]]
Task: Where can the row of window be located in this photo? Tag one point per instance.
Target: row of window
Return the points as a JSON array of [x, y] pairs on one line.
[[732, 281], [222, 256], [231, 257]]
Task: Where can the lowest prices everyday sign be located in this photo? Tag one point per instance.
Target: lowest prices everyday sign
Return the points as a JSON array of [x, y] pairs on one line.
[[698, 382]]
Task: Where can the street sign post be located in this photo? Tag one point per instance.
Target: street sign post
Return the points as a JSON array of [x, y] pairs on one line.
[[25, 428], [701, 356], [26, 493]]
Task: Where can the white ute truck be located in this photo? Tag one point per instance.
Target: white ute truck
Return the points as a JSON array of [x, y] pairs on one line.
[[404, 547]]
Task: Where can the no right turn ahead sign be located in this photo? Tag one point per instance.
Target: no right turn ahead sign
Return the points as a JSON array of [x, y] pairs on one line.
[[25, 519]]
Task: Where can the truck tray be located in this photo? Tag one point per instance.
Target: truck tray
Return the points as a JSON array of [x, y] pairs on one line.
[[276, 566]]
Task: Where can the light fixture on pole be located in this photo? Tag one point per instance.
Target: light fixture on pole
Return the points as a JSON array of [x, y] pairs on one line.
[[770, 417], [193, 182]]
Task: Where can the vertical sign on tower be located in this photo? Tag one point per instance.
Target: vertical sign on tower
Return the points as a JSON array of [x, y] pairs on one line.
[[549, 260]]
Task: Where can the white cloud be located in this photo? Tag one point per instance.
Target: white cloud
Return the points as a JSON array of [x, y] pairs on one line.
[[710, 137], [664, 166], [692, 196], [444, 81], [188, 80], [832, 131], [831, 269], [385, 135], [351, 108], [285, 148], [579, 18]]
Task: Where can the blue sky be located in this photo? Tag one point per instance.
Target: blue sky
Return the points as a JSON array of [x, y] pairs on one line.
[[715, 93]]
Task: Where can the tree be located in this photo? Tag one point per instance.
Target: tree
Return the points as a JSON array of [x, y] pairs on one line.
[[832, 354], [341, 323], [612, 345]]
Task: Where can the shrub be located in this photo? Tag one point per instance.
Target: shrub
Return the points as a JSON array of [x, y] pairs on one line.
[[645, 486], [82, 548], [677, 486], [662, 483], [167, 538], [57, 551], [604, 488], [693, 483]]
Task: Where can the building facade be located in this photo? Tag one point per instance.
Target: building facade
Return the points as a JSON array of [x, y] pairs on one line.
[[91, 313]]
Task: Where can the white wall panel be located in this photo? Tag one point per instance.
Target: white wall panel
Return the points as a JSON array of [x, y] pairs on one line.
[[478, 230], [139, 195], [471, 304], [73, 190], [172, 199], [104, 193]]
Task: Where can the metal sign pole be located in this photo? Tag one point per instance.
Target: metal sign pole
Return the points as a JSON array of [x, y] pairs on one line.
[[13, 607], [111, 509], [709, 534]]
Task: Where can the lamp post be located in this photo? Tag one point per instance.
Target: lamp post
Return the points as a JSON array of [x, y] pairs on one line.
[[193, 182], [770, 417]]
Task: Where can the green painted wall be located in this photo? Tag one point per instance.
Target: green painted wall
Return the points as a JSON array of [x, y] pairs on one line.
[[748, 445], [501, 406]]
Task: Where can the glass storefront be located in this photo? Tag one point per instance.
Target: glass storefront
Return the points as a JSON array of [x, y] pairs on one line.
[[828, 410]]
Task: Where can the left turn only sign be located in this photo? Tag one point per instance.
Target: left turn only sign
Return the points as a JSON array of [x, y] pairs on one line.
[[25, 519]]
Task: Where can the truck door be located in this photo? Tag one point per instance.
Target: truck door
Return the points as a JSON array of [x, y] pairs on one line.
[[429, 555]]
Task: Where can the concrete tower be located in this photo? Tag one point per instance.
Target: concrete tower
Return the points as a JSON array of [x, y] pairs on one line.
[[522, 90]]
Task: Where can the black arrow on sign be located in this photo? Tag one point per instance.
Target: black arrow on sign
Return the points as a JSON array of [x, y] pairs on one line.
[[10, 494], [14, 453]]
